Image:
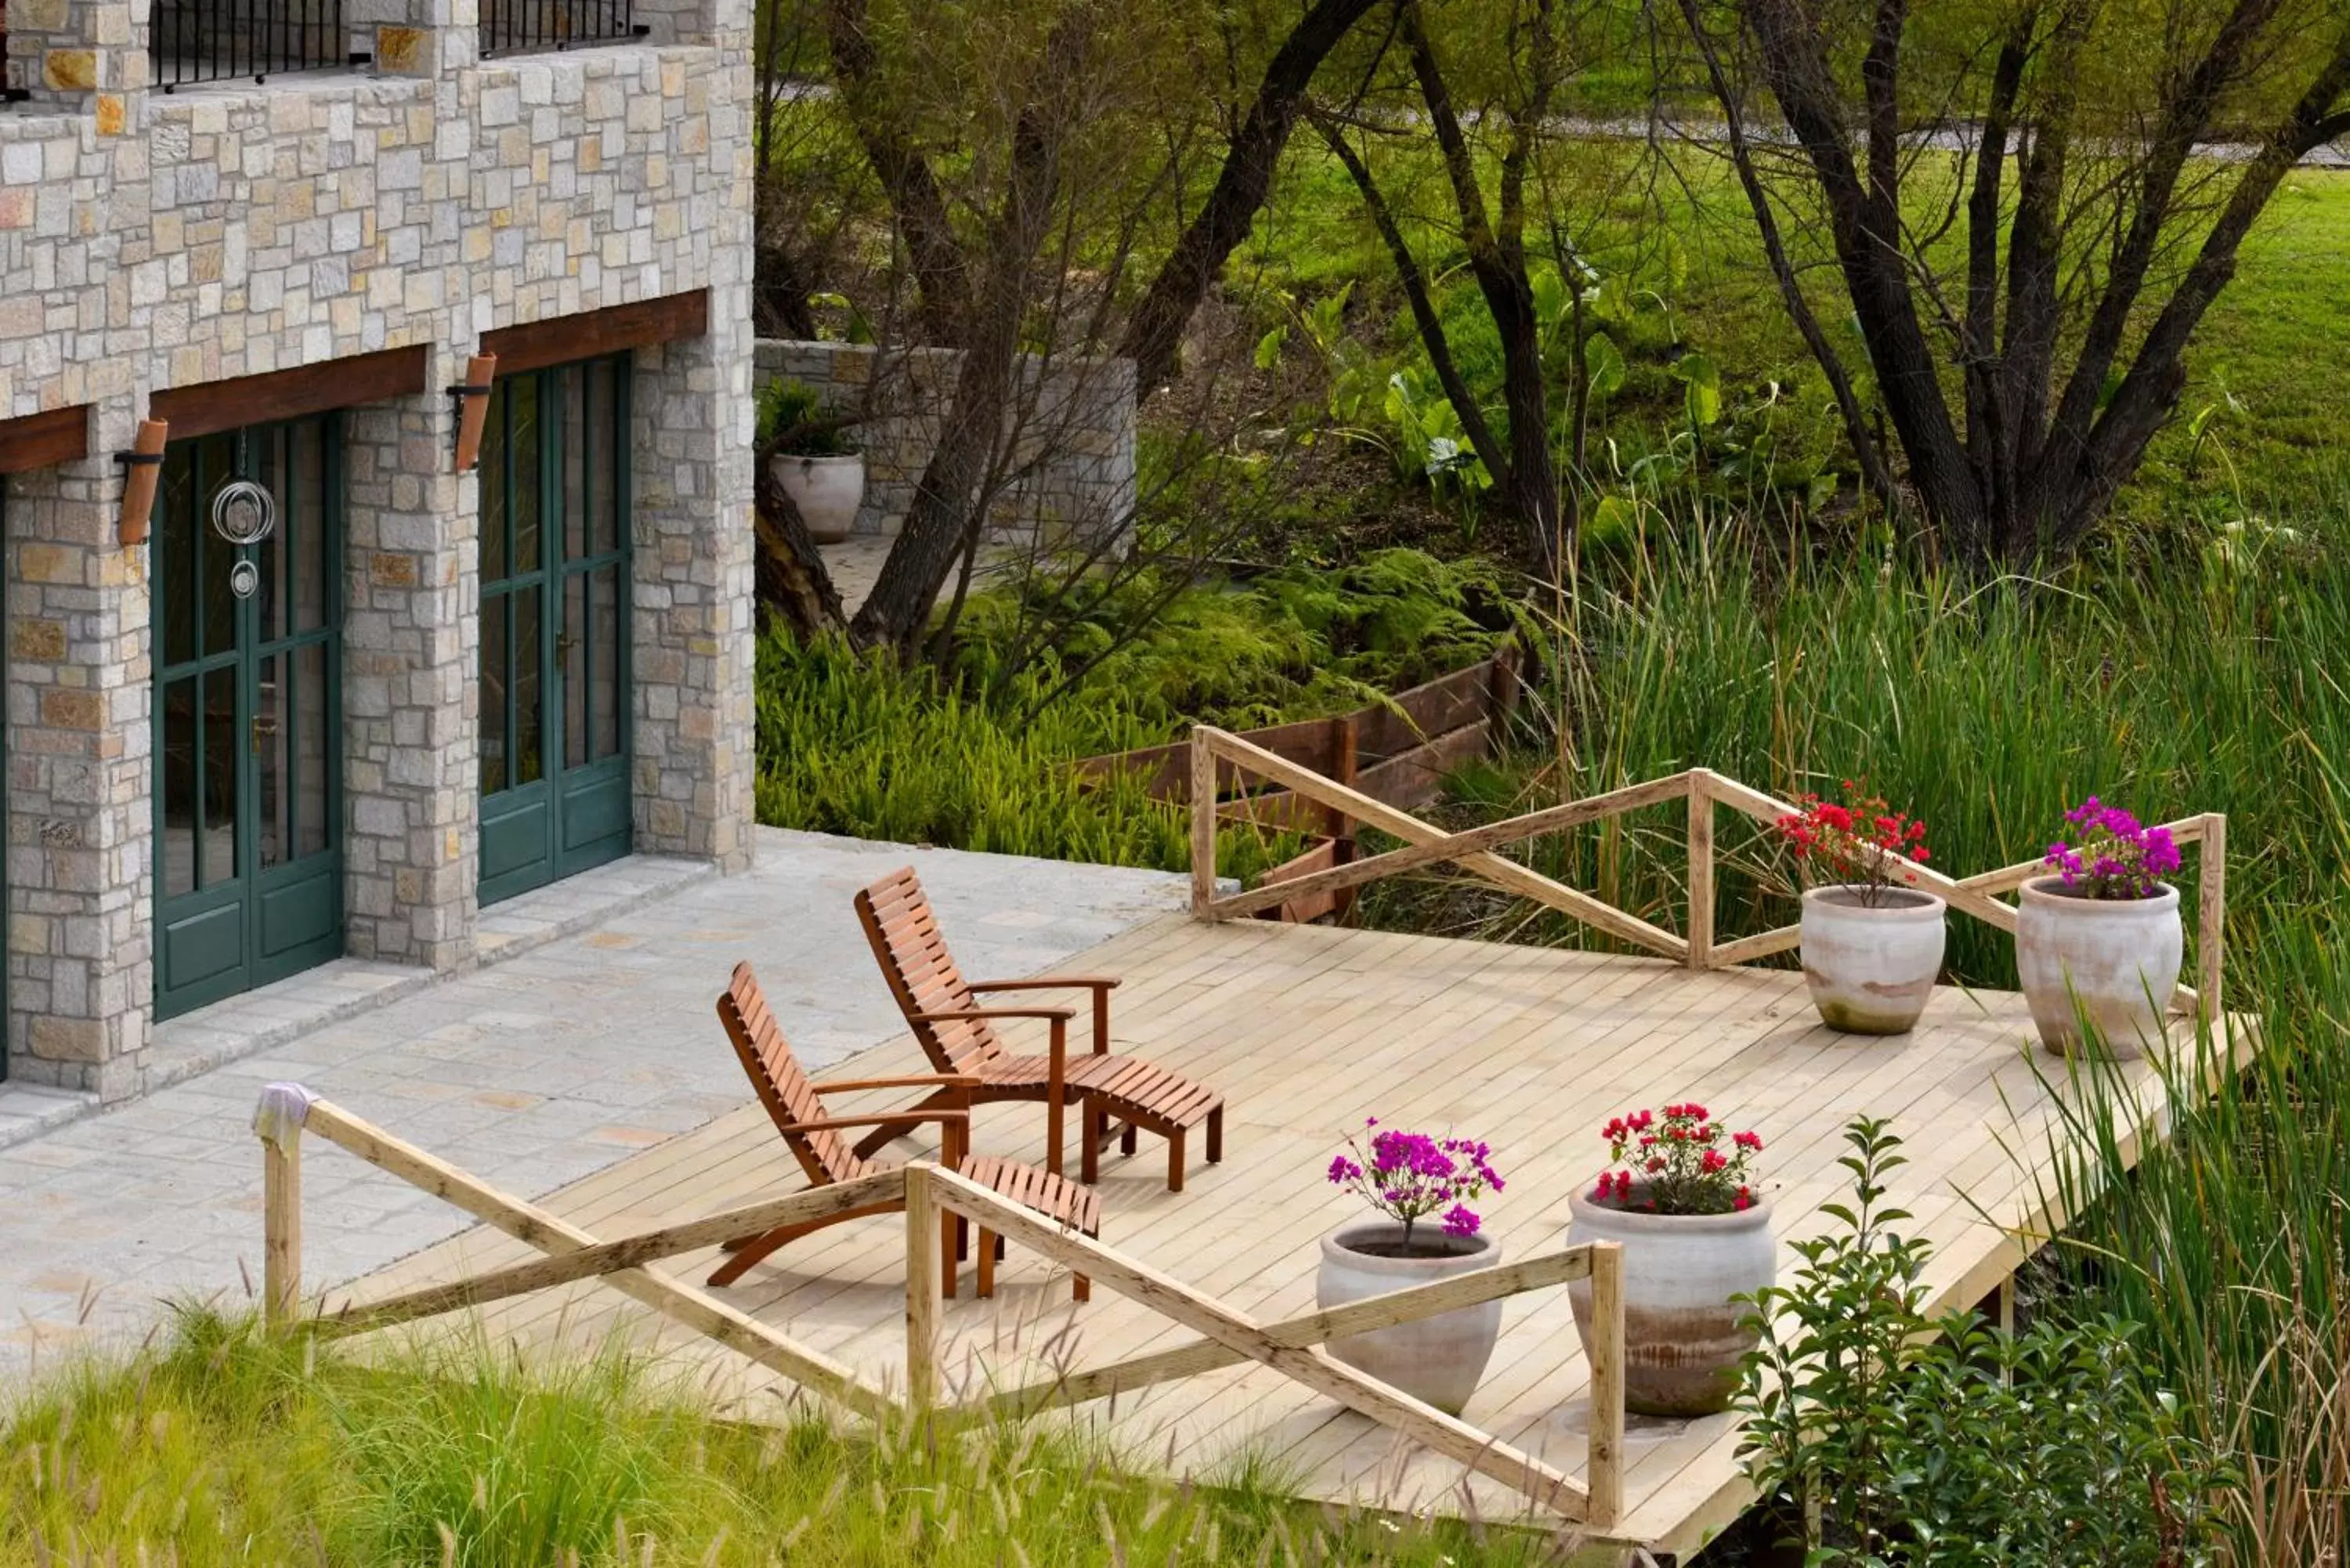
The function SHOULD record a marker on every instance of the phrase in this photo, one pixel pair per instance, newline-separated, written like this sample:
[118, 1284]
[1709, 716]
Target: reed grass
[219, 1445]
[2218, 685]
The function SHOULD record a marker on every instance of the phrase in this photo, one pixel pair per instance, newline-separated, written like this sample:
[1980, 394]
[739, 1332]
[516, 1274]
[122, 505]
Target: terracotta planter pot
[2118, 956]
[1871, 968]
[1682, 1341]
[1436, 1360]
[826, 490]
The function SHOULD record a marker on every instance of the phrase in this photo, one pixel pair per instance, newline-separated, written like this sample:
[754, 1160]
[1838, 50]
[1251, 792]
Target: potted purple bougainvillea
[2098, 939]
[1422, 1187]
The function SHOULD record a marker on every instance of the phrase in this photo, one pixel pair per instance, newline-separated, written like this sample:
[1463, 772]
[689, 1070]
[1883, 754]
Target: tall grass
[1988, 710]
[221, 1446]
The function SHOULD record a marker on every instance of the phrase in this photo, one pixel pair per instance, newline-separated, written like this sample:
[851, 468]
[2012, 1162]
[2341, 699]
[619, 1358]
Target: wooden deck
[1308, 1030]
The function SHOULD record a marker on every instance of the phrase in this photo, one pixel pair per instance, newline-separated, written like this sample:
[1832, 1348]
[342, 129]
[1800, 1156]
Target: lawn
[1682, 247]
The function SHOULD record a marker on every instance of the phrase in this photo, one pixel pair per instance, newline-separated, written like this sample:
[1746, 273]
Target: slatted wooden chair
[958, 1036]
[796, 1103]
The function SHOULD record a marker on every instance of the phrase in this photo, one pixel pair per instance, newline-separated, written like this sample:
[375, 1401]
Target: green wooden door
[247, 722]
[554, 624]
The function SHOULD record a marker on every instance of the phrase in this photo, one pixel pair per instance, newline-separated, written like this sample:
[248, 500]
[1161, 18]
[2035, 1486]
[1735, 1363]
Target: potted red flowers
[1871, 945]
[1423, 1186]
[1681, 1197]
[2100, 937]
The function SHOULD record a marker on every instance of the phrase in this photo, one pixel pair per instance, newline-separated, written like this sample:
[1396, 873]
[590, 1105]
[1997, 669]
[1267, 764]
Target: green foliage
[858, 745]
[1297, 642]
[1899, 1438]
[223, 1446]
[785, 405]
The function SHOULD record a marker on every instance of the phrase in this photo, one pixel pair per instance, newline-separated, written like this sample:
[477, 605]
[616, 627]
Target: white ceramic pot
[1682, 1341]
[1871, 968]
[1436, 1360]
[2115, 959]
[826, 490]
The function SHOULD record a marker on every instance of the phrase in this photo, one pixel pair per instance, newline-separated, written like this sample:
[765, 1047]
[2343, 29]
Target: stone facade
[152, 241]
[1072, 433]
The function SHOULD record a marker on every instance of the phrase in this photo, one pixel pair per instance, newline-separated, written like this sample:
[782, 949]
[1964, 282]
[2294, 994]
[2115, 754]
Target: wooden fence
[933, 1195]
[1222, 762]
[1397, 752]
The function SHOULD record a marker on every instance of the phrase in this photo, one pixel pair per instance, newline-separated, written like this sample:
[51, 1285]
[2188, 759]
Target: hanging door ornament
[243, 513]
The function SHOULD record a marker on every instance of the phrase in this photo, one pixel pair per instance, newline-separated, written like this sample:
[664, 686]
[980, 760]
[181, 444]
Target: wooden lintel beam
[208, 407]
[562, 340]
[45, 439]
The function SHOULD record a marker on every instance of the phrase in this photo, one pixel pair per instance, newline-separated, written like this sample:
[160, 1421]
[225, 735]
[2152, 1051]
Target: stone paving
[532, 1072]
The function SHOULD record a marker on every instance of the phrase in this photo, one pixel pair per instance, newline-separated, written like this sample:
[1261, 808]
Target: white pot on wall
[826, 490]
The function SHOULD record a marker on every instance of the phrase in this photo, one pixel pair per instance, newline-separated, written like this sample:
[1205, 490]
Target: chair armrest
[889, 1118]
[1063, 1014]
[1049, 983]
[919, 1081]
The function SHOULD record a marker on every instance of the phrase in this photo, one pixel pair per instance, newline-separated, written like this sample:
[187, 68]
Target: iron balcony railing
[530, 27]
[226, 40]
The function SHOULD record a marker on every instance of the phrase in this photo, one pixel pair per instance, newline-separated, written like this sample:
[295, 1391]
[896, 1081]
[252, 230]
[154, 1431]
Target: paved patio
[533, 1071]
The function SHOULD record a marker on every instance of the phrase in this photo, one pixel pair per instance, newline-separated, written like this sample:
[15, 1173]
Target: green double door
[248, 715]
[554, 668]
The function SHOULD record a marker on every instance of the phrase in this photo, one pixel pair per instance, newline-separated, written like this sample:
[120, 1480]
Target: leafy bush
[785, 405]
[1901, 1440]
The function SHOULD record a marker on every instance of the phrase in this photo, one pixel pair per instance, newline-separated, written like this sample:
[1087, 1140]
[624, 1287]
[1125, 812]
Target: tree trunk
[788, 571]
[947, 514]
[1155, 330]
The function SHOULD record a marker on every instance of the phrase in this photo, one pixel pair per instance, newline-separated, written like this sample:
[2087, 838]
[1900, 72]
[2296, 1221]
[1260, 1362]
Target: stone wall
[151, 240]
[1072, 432]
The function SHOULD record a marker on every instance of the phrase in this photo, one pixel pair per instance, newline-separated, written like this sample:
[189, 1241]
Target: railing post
[927, 1241]
[1605, 1466]
[2211, 915]
[1701, 868]
[1204, 824]
[1344, 835]
[277, 1121]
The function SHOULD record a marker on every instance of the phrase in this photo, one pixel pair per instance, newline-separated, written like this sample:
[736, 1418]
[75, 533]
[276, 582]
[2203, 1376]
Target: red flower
[1748, 1141]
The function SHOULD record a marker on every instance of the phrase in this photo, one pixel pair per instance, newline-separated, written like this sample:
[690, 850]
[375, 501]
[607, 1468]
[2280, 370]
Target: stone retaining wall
[1073, 429]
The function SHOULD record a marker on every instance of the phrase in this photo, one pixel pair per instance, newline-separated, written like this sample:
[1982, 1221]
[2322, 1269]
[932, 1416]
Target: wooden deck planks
[1306, 1031]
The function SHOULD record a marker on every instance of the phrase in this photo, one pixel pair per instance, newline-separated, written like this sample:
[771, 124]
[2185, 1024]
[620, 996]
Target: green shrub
[1901, 1440]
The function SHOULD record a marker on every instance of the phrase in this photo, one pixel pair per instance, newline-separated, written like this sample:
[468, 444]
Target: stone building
[283, 229]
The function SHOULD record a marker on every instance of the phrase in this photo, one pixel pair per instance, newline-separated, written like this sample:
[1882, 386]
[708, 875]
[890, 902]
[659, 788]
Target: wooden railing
[1217, 756]
[1397, 750]
[931, 1194]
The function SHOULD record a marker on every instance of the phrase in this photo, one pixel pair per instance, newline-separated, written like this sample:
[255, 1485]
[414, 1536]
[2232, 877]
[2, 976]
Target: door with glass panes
[248, 713]
[554, 624]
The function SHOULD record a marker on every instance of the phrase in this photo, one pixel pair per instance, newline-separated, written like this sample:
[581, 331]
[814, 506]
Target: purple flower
[1460, 1221]
[1343, 1171]
[2116, 856]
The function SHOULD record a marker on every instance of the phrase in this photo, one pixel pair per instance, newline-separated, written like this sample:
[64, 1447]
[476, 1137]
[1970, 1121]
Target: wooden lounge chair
[794, 1102]
[958, 1036]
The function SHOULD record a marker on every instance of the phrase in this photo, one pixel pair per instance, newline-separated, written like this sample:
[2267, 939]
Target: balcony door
[247, 713]
[555, 668]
